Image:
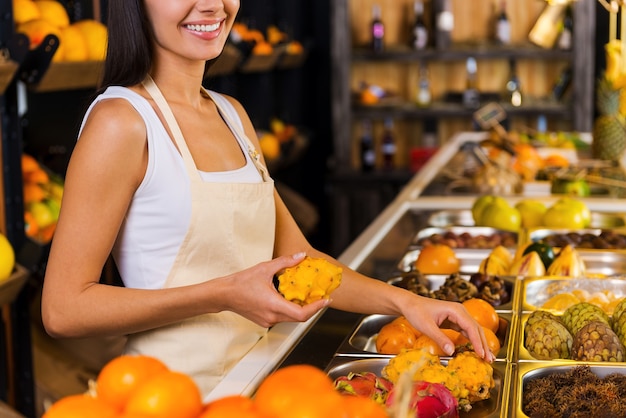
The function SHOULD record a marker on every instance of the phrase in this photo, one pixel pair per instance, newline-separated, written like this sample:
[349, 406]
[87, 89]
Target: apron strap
[254, 154]
[165, 109]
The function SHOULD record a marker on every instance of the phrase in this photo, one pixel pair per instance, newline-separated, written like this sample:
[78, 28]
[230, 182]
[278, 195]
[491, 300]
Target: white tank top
[159, 214]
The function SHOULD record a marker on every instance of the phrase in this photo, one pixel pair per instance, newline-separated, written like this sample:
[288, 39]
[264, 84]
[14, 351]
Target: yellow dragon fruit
[312, 279]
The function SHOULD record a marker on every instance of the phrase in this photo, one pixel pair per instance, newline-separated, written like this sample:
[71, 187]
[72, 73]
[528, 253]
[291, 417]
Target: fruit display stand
[377, 252]
[10, 288]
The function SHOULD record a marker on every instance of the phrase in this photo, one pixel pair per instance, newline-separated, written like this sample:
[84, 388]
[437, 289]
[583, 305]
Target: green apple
[501, 215]
[532, 212]
[567, 213]
[42, 214]
[481, 203]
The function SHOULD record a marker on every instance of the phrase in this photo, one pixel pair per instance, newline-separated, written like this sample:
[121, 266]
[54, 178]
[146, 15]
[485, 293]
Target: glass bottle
[377, 29]
[424, 97]
[514, 92]
[368, 153]
[565, 38]
[444, 23]
[471, 96]
[388, 145]
[419, 32]
[503, 26]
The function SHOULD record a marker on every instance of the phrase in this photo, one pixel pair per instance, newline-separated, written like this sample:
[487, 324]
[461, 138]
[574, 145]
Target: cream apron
[231, 229]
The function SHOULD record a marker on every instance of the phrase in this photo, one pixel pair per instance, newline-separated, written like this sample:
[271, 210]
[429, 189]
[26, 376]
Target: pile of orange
[486, 315]
[143, 387]
[437, 259]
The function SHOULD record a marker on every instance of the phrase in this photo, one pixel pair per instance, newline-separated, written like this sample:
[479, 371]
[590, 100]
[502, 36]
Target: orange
[231, 406]
[96, 35]
[25, 10]
[80, 406]
[74, 44]
[33, 193]
[437, 259]
[165, 395]
[483, 313]
[425, 342]
[120, 377]
[298, 391]
[38, 176]
[493, 342]
[30, 225]
[262, 48]
[53, 12]
[36, 30]
[362, 407]
[270, 146]
[29, 163]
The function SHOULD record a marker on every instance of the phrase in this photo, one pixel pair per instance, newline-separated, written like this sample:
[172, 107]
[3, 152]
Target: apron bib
[232, 228]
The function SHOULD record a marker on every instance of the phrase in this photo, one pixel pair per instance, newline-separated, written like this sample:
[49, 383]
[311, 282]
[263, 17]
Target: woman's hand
[252, 294]
[428, 314]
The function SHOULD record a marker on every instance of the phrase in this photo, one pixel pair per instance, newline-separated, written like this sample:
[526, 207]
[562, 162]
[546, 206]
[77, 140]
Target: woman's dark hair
[129, 49]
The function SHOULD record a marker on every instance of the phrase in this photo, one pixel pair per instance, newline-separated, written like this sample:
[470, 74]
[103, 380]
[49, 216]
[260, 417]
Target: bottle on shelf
[388, 145]
[368, 152]
[419, 32]
[424, 96]
[514, 92]
[546, 28]
[562, 83]
[567, 33]
[444, 23]
[471, 96]
[503, 26]
[377, 29]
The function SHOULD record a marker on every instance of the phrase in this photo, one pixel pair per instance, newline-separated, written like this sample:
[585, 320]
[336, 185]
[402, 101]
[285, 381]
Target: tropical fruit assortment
[84, 40]
[276, 141]
[260, 43]
[43, 192]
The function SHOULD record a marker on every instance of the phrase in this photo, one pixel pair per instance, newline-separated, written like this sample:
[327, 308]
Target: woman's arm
[107, 165]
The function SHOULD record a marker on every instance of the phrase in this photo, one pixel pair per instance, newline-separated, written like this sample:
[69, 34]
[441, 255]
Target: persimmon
[298, 391]
[120, 377]
[493, 342]
[437, 259]
[81, 406]
[427, 343]
[483, 313]
[167, 394]
[395, 336]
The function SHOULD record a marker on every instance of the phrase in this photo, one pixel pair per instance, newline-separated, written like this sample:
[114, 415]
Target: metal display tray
[469, 260]
[538, 234]
[435, 281]
[475, 232]
[463, 217]
[493, 407]
[362, 340]
[524, 372]
[534, 292]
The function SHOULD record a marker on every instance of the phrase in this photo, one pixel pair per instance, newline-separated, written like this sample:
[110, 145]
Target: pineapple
[609, 130]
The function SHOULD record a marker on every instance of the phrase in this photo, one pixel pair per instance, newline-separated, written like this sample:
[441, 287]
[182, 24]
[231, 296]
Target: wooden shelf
[462, 51]
[7, 72]
[70, 76]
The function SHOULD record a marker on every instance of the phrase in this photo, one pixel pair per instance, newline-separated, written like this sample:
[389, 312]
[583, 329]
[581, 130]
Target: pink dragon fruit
[365, 384]
[428, 400]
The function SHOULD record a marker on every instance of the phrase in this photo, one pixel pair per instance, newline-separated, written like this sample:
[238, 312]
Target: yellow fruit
[74, 44]
[25, 10]
[95, 34]
[313, 279]
[7, 258]
[270, 146]
[54, 13]
[42, 214]
[561, 302]
[36, 30]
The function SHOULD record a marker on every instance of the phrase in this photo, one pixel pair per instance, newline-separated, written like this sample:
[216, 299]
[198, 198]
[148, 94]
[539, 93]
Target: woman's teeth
[204, 28]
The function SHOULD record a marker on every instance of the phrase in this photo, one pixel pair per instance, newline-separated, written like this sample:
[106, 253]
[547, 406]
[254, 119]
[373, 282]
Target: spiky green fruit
[577, 316]
[547, 339]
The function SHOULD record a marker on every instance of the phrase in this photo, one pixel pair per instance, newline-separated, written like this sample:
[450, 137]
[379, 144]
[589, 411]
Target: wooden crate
[10, 288]
[70, 76]
[7, 71]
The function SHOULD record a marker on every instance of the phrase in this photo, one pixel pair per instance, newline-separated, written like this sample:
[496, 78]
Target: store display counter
[376, 253]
